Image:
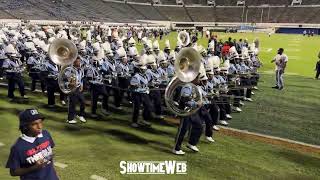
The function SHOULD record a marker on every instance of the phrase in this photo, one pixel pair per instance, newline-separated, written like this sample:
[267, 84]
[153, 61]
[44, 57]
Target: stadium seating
[168, 1]
[140, 1]
[226, 14]
[203, 14]
[149, 11]
[190, 2]
[234, 2]
[311, 2]
[100, 10]
[174, 13]
[269, 2]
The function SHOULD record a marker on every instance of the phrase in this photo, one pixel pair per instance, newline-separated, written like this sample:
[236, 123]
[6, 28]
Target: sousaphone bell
[182, 97]
[64, 52]
[184, 38]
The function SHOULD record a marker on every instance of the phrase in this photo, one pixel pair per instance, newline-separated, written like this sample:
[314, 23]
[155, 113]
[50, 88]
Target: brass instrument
[75, 34]
[184, 38]
[187, 66]
[64, 52]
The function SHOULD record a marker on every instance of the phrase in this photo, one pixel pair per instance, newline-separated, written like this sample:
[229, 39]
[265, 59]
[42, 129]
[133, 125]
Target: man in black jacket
[318, 68]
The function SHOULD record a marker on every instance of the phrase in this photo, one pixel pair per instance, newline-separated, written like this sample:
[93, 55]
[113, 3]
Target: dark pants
[118, 93]
[237, 93]
[247, 83]
[255, 79]
[224, 106]
[13, 79]
[35, 77]
[96, 91]
[192, 123]
[52, 87]
[75, 97]
[214, 112]
[138, 99]
[155, 96]
[317, 74]
[205, 115]
[1, 69]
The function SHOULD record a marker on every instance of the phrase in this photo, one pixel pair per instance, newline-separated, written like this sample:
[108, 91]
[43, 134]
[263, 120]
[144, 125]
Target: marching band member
[214, 109]
[154, 82]
[167, 48]
[105, 69]
[256, 64]
[156, 48]
[191, 123]
[233, 76]
[140, 95]
[211, 49]
[163, 69]
[13, 69]
[147, 47]
[224, 105]
[178, 47]
[212, 87]
[171, 59]
[123, 74]
[34, 67]
[52, 82]
[204, 110]
[133, 56]
[244, 80]
[77, 96]
[131, 42]
[2, 57]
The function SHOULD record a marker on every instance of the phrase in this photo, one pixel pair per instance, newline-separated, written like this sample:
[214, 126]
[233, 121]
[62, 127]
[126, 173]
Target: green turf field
[98, 146]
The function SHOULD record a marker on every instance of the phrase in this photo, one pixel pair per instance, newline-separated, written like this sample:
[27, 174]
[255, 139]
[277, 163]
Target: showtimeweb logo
[153, 167]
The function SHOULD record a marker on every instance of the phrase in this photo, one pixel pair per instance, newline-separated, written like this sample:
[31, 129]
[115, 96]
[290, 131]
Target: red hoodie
[225, 49]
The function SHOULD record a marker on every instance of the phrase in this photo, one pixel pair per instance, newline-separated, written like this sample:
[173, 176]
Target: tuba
[64, 52]
[75, 33]
[182, 97]
[184, 38]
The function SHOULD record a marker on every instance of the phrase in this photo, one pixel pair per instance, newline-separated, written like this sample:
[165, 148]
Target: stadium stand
[268, 2]
[110, 11]
[229, 14]
[174, 13]
[149, 11]
[168, 2]
[198, 2]
[140, 1]
[310, 2]
[203, 14]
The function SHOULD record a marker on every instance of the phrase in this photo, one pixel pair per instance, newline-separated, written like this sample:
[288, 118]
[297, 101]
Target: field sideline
[98, 146]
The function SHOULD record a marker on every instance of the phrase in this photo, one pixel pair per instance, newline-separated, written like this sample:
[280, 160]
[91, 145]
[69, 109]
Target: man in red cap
[31, 155]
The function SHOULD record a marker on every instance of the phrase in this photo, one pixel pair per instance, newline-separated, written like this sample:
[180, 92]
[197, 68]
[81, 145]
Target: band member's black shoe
[275, 87]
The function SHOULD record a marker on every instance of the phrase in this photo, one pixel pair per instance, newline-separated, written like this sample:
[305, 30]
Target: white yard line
[1, 144]
[266, 49]
[60, 165]
[291, 73]
[294, 44]
[294, 57]
[275, 140]
[268, 72]
[96, 177]
[293, 50]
